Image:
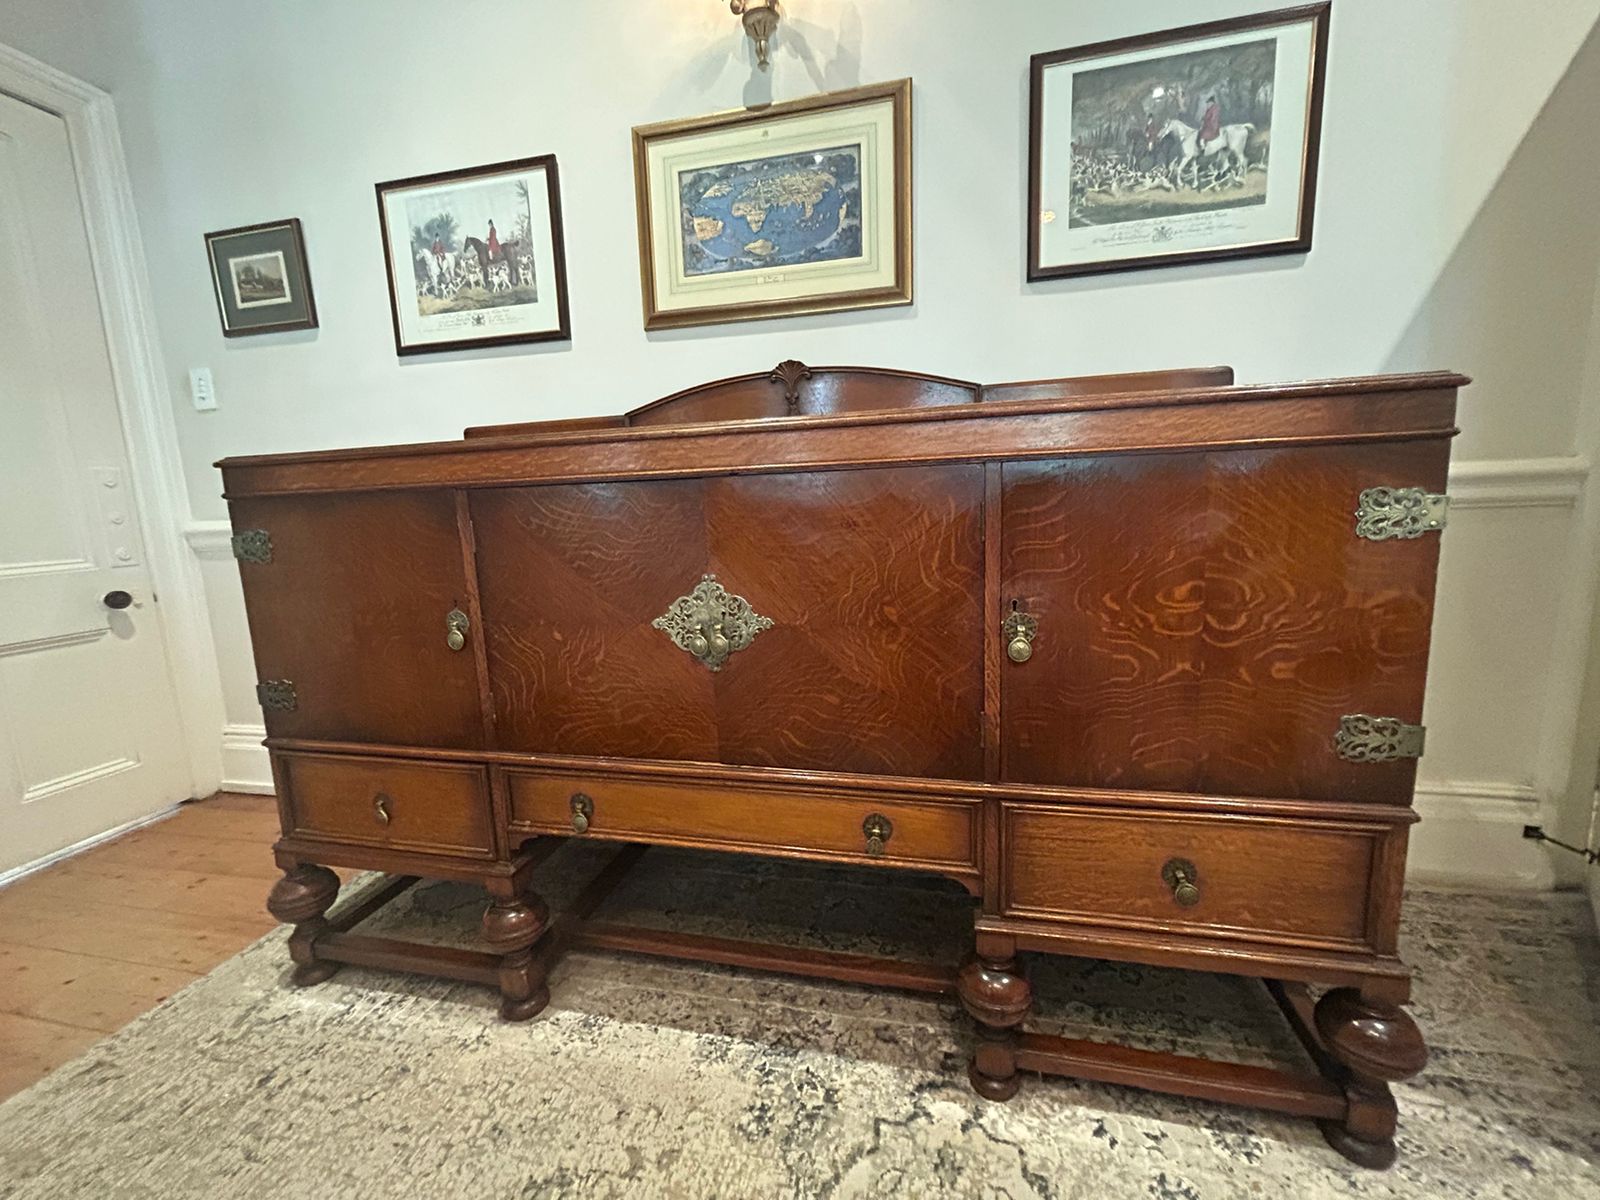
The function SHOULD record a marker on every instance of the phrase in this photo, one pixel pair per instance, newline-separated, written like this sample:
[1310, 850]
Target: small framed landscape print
[260, 276]
[799, 207]
[1195, 144]
[475, 258]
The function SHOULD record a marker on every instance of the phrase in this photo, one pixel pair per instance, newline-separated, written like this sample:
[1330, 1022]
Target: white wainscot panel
[244, 760]
[1504, 575]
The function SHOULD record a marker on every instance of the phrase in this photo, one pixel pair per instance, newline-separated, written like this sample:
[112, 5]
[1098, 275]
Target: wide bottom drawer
[431, 808]
[1275, 879]
[865, 828]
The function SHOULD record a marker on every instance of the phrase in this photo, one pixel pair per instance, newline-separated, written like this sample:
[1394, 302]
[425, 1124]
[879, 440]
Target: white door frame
[140, 379]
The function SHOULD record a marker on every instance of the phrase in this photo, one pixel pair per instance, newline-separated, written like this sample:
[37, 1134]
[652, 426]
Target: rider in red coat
[1211, 123]
[494, 242]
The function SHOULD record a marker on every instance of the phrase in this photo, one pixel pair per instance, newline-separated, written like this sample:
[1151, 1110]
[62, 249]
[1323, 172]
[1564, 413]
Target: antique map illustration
[771, 212]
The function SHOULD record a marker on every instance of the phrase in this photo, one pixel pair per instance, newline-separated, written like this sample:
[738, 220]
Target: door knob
[116, 599]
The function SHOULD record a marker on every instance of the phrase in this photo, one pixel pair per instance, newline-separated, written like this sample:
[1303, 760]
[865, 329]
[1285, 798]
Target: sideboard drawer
[1274, 879]
[432, 808]
[737, 816]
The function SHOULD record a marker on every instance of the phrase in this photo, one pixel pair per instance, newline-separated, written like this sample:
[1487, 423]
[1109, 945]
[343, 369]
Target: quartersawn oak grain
[1205, 615]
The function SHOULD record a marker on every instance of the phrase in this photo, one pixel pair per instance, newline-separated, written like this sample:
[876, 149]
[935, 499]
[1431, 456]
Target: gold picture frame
[780, 211]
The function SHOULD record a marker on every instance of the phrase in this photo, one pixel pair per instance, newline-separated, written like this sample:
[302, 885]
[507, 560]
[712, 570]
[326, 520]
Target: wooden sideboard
[1137, 660]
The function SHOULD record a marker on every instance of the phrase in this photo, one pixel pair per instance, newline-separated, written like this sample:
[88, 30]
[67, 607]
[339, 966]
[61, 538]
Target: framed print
[475, 257]
[260, 276]
[1178, 147]
[799, 207]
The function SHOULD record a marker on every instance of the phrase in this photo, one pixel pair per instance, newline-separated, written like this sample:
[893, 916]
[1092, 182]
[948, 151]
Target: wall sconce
[760, 20]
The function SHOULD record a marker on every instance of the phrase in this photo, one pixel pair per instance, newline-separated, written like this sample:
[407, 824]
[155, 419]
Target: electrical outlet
[201, 389]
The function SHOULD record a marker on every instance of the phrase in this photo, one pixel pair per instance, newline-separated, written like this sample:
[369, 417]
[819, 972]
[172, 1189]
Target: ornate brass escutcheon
[1362, 737]
[711, 623]
[879, 829]
[456, 626]
[582, 812]
[1180, 875]
[1019, 630]
[380, 807]
[1399, 512]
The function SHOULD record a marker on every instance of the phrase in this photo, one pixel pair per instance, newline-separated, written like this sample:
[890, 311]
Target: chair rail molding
[141, 385]
[1518, 482]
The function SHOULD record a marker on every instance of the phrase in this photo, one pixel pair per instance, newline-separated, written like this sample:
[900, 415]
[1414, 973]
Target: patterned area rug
[655, 1079]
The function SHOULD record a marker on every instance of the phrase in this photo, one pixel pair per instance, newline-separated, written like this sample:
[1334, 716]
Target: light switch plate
[201, 389]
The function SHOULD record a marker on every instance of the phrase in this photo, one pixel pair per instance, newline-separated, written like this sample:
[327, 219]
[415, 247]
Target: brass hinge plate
[252, 546]
[1364, 738]
[277, 695]
[1388, 512]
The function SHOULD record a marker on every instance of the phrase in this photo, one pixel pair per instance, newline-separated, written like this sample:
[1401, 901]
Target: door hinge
[1364, 738]
[1387, 512]
[277, 695]
[253, 546]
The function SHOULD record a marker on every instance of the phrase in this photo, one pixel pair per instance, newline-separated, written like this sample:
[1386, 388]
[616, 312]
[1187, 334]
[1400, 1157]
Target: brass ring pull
[380, 807]
[1019, 630]
[456, 625]
[1180, 875]
[879, 829]
[582, 812]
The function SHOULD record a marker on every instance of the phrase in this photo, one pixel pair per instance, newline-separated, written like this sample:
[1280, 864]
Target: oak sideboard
[1137, 660]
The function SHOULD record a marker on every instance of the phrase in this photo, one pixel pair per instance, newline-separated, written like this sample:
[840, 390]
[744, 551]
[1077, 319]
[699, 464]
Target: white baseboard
[245, 767]
[39, 864]
[1470, 836]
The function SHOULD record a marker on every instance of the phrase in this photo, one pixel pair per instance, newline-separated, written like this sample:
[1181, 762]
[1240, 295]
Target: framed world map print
[1192, 144]
[794, 208]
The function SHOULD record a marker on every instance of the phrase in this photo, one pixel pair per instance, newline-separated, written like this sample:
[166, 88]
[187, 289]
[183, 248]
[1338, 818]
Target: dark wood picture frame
[545, 163]
[294, 245]
[897, 292]
[1300, 243]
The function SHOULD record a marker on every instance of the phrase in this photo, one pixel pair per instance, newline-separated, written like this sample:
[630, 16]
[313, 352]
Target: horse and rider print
[472, 247]
[1173, 135]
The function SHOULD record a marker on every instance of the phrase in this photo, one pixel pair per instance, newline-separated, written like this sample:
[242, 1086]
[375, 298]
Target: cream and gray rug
[654, 1079]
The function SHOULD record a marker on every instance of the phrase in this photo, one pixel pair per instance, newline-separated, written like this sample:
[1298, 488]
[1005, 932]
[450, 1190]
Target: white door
[89, 730]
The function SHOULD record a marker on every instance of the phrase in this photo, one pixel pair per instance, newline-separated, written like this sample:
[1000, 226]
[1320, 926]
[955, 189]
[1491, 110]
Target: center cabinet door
[872, 581]
[1205, 620]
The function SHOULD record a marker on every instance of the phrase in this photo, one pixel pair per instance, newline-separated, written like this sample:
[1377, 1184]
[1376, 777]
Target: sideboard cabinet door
[1206, 619]
[869, 583]
[351, 611]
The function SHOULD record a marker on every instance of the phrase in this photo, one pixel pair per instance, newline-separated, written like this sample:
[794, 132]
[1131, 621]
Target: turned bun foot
[1375, 1156]
[511, 925]
[998, 997]
[991, 1088]
[1377, 1043]
[302, 899]
[304, 894]
[1375, 1040]
[522, 1010]
[312, 973]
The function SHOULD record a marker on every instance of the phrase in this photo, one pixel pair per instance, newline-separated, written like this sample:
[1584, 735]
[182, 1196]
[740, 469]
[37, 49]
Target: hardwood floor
[88, 944]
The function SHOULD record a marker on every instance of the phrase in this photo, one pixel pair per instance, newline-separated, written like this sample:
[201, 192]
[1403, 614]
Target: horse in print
[1230, 144]
[510, 253]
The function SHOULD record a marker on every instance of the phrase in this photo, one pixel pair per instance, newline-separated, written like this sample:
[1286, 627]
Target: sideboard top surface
[1047, 418]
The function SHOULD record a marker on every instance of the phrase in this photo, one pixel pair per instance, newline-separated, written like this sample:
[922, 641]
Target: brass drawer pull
[1019, 630]
[380, 807]
[456, 625]
[1180, 875]
[879, 829]
[582, 812]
